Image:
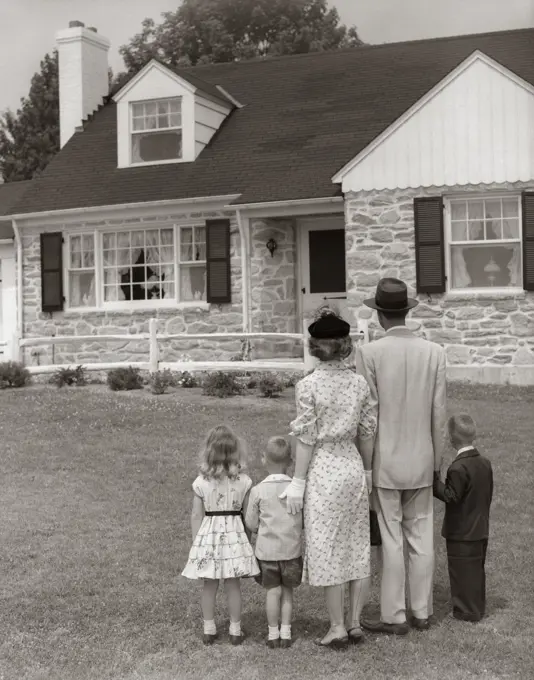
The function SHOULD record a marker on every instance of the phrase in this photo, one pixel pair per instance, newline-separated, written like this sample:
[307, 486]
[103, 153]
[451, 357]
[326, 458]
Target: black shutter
[429, 245]
[218, 261]
[52, 272]
[528, 240]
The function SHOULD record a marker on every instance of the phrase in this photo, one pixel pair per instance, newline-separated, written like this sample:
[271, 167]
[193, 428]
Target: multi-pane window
[138, 265]
[485, 243]
[192, 263]
[156, 130]
[81, 271]
[150, 266]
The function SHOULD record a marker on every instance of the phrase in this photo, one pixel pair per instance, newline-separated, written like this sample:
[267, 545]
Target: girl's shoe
[285, 643]
[236, 640]
[209, 639]
[273, 644]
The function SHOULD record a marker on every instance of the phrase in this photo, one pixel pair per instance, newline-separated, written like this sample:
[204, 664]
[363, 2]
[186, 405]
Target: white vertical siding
[476, 129]
[209, 116]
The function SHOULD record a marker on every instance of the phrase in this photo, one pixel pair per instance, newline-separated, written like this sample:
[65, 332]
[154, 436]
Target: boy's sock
[285, 631]
[209, 628]
[235, 628]
[274, 633]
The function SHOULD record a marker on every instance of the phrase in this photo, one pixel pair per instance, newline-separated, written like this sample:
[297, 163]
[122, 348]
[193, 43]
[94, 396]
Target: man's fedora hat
[329, 326]
[391, 296]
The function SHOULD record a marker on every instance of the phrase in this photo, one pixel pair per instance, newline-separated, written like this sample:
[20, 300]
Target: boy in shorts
[278, 543]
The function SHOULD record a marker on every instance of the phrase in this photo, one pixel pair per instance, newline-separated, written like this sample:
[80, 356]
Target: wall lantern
[271, 246]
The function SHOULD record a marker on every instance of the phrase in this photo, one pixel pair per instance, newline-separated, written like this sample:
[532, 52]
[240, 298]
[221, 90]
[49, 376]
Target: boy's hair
[222, 455]
[278, 451]
[462, 427]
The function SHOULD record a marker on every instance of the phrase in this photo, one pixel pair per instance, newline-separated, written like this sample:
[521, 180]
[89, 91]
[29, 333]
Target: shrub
[13, 374]
[127, 378]
[270, 386]
[221, 385]
[187, 380]
[161, 381]
[69, 376]
[291, 379]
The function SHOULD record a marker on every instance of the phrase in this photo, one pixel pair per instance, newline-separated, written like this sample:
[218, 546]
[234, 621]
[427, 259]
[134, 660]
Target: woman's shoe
[355, 635]
[338, 644]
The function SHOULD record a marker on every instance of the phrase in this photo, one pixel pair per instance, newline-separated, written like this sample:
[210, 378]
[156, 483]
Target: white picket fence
[154, 339]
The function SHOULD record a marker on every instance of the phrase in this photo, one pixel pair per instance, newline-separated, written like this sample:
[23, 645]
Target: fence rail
[154, 363]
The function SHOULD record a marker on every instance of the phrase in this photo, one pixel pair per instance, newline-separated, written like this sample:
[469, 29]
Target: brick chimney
[83, 75]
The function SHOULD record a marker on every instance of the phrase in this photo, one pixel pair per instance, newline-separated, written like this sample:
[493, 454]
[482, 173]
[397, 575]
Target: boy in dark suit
[467, 492]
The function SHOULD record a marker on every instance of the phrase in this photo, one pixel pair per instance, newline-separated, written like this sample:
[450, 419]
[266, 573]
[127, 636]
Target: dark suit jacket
[467, 492]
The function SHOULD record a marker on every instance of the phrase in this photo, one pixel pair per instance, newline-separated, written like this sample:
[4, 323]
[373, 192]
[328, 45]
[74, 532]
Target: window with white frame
[146, 267]
[81, 271]
[485, 243]
[156, 130]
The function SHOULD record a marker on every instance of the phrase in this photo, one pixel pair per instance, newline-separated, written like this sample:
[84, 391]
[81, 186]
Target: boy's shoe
[285, 643]
[208, 638]
[273, 644]
[420, 624]
[237, 639]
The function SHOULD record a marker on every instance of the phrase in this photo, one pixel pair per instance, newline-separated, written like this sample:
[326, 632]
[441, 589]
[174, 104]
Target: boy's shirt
[467, 493]
[279, 533]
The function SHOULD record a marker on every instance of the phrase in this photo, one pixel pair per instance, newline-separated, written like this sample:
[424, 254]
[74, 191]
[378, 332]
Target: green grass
[95, 500]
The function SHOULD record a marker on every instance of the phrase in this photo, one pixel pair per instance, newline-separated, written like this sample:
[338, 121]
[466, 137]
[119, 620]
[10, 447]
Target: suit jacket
[407, 378]
[467, 491]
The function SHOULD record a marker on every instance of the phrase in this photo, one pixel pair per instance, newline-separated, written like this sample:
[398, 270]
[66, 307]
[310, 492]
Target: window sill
[486, 294]
[144, 309]
[149, 163]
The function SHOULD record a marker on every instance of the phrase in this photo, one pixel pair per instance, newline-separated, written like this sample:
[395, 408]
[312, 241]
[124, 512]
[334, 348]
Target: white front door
[323, 278]
[8, 302]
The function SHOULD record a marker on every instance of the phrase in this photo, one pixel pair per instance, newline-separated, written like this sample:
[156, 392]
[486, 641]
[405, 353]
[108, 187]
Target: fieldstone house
[239, 197]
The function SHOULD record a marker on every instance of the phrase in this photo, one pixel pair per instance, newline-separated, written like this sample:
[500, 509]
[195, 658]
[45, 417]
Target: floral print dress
[334, 407]
[221, 548]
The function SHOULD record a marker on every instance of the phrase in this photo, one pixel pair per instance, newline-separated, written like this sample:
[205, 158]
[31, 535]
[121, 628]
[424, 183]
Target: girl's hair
[223, 454]
[330, 349]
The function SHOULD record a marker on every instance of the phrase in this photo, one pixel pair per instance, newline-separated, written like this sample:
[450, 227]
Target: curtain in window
[160, 257]
[460, 276]
[118, 260]
[82, 289]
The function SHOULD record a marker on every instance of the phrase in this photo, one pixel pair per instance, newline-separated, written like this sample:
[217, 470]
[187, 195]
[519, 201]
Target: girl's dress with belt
[334, 407]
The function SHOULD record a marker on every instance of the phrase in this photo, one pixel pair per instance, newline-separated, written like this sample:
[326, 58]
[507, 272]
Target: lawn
[95, 500]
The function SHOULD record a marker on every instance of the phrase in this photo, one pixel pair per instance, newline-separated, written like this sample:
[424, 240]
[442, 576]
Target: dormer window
[156, 130]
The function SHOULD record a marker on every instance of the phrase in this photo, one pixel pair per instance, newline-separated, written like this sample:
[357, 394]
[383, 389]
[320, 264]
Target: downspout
[20, 316]
[245, 268]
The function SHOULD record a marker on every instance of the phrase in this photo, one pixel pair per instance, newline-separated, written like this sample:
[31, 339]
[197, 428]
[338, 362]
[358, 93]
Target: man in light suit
[406, 375]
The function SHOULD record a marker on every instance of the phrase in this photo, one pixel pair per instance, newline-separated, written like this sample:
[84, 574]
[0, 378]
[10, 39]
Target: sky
[28, 27]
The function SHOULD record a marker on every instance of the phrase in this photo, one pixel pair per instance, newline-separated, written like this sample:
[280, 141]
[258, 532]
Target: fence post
[153, 345]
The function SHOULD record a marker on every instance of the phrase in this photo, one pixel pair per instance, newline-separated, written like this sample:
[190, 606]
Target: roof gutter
[284, 204]
[20, 317]
[225, 199]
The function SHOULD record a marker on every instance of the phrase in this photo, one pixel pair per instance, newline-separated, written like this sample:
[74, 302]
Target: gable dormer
[163, 117]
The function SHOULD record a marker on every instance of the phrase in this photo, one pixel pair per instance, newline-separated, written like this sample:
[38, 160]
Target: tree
[204, 31]
[30, 137]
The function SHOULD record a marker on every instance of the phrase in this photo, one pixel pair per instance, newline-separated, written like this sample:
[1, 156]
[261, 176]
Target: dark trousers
[467, 560]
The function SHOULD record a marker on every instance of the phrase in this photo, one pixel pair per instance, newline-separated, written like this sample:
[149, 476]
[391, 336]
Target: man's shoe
[386, 628]
[420, 624]
[285, 643]
[273, 644]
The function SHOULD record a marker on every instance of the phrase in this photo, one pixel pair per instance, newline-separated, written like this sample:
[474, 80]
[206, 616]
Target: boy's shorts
[286, 573]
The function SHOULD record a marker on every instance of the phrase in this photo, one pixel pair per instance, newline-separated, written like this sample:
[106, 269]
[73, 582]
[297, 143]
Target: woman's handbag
[376, 538]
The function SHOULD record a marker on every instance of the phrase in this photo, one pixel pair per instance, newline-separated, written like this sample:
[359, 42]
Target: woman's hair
[223, 454]
[329, 349]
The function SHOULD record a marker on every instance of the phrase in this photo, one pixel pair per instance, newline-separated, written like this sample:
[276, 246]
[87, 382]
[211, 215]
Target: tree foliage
[211, 31]
[30, 137]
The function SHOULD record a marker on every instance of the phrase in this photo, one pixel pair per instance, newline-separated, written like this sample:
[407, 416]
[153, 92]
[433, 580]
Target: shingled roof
[10, 194]
[303, 118]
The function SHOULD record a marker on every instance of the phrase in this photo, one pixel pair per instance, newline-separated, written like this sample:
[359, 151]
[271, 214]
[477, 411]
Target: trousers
[467, 575]
[406, 515]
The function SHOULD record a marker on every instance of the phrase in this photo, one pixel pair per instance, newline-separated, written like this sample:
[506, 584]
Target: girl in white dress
[221, 549]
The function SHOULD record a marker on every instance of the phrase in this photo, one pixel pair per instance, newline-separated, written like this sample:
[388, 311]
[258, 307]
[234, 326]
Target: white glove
[369, 480]
[294, 494]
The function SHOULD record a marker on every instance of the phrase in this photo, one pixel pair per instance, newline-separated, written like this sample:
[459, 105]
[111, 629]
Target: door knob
[303, 291]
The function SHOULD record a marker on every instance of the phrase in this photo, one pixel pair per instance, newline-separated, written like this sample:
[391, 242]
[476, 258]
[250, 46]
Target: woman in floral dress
[334, 428]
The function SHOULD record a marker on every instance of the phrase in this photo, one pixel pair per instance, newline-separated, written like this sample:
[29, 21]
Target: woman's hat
[391, 296]
[329, 326]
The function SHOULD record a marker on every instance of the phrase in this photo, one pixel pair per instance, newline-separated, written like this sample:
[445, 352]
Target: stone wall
[223, 318]
[478, 330]
[274, 285]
